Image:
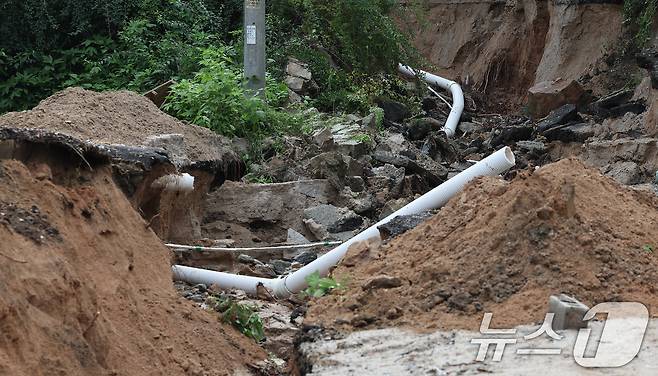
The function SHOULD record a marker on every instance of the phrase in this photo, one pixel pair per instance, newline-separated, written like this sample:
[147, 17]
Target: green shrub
[214, 98]
[639, 16]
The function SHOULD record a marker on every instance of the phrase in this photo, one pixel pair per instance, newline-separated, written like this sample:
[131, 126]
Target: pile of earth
[504, 248]
[120, 117]
[85, 285]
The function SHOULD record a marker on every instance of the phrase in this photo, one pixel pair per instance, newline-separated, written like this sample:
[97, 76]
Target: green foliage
[214, 98]
[346, 43]
[318, 286]
[37, 25]
[358, 34]
[639, 15]
[364, 138]
[161, 40]
[648, 248]
[31, 76]
[243, 317]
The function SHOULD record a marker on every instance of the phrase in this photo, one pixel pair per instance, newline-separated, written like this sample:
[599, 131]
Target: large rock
[299, 78]
[418, 129]
[509, 134]
[393, 111]
[244, 211]
[335, 167]
[546, 96]
[628, 160]
[430, 170]
[350, 138]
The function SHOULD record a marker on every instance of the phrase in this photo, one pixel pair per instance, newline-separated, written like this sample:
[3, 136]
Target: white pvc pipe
[450, 126]
[493, 165]
[175, 183]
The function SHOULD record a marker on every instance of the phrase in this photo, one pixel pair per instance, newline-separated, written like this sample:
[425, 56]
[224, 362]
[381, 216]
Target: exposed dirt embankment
[156, 144]
[508, 46]
[119, 117]
[85, 285]
[505, 248]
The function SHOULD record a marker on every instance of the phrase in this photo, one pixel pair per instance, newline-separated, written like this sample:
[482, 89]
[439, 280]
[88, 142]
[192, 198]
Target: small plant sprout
[242, 316]
[648, 248]
[318, 286]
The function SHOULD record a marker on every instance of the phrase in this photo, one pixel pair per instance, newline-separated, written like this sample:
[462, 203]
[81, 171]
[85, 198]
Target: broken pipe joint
[452, 122]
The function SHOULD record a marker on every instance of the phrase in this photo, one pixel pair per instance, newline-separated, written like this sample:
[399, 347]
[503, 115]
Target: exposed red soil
[85, 285]
[505, 248]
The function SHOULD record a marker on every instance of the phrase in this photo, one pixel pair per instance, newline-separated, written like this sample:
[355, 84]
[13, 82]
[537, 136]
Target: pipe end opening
[509, 155]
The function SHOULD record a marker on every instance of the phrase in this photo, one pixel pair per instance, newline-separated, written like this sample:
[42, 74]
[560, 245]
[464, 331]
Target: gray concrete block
[569, 312]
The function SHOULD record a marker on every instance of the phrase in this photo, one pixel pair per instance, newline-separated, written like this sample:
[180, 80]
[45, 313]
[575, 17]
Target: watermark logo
[620, 341]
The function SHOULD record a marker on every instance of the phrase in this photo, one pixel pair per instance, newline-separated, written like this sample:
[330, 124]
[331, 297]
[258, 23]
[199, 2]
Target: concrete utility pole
[254, 46]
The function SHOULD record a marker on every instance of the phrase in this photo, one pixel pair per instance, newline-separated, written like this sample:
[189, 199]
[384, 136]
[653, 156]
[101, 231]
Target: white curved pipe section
[493, 165]
[175, 183]
[450, 126]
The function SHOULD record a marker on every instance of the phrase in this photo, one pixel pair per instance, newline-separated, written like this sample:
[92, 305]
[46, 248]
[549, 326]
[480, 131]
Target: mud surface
[85, 287]
[504, 248]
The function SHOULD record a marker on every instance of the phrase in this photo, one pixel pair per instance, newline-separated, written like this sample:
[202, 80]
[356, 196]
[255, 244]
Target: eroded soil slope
[504, 248]
[85, 286]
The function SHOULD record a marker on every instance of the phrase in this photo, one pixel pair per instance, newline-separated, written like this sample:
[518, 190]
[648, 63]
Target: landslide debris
[505, 248]
[85, 285]
[120, 117]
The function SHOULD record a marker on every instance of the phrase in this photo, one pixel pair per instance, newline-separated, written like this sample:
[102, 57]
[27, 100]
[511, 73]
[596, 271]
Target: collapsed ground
[500, 246]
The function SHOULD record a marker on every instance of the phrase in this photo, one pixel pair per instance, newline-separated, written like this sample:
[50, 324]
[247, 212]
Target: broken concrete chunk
[569, 312]
[334, 219]
[280, 266]
[319, 231]
[532, 147]
[306, 257]
[562, 115]
[173, 144]
[467, 127]
[392, 206]
[505, 135]
[570, 132]
[356, 183]
[401, 224]
[382, 282]
[429, 169]
[246, 259]
[295, 237]
[323, 138]
[625, 172]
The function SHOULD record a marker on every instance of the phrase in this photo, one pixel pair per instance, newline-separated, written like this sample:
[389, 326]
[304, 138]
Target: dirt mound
[504, 248]
[85, 286]
[119, 117]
